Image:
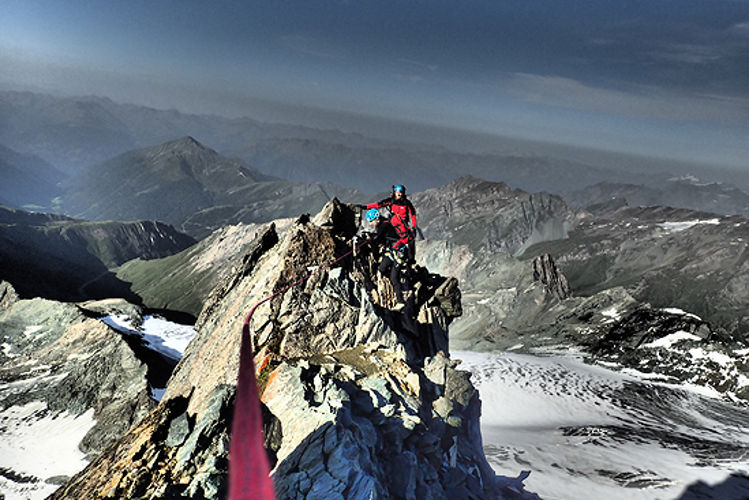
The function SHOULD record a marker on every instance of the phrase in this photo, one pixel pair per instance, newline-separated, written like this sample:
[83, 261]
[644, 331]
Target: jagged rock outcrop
[8, 295]
[546, 271]
[59, 365]
[360, 401]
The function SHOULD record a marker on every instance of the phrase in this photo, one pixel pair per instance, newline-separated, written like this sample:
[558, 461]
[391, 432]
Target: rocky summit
[358, 400]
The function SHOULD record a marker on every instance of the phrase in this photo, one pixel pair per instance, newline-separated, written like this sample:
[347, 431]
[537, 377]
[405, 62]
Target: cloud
[313, 46]
[690, 53]
[642, 102]
[740, 29]
[420, 65]
[409, 78]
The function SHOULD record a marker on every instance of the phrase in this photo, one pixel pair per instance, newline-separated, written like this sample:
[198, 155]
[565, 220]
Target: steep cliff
[359, 401]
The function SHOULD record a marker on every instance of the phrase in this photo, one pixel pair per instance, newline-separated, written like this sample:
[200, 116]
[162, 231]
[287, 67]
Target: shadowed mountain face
[27, 180]
[190, 186]
[54, 256]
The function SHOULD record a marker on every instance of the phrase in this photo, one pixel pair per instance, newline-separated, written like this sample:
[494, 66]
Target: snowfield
[588, 432]
[36, 446]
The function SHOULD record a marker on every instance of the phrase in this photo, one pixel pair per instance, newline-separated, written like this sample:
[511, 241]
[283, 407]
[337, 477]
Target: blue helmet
[399, 187]
[373, 214]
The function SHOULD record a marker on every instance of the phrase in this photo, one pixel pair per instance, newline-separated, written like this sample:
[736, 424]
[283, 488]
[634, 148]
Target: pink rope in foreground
[249, 471]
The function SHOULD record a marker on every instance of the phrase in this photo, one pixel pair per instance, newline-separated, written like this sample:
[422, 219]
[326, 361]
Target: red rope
[249, 471]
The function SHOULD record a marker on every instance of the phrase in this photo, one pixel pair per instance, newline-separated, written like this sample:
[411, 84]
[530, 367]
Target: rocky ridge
[183, 281]
[355, 404]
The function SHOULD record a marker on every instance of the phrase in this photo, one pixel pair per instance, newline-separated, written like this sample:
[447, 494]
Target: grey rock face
[665, 257]
[360, 401]
[490, 216]
[545, 271]
[8, 295]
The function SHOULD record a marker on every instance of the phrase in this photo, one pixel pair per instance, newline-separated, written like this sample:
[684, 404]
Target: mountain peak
[187, 142]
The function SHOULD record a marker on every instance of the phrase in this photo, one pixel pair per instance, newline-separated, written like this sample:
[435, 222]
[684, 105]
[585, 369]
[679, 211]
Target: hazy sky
[669, 78]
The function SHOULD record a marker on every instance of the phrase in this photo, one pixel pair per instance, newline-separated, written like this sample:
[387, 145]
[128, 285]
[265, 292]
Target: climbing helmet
[373, 214]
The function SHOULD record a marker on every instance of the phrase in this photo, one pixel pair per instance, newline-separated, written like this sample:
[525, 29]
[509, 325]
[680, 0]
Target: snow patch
[675, 227]
[31, 330]
[611, 313]
[640, 375]
[6, 350]
[680, 312]
[38, 445]
[717, 357]
[165, 337]
[669, 340]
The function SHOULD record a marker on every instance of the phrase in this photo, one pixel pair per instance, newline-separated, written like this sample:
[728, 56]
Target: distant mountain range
[27, 180]
[663, 256]
[76, 133]
[685, 192]
[191, 186]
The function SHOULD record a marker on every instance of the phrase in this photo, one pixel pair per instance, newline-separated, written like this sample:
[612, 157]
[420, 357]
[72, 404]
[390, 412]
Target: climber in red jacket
[402, 216]
[394, 247]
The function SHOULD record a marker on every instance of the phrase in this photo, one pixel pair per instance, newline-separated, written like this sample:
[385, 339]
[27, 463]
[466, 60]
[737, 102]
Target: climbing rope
[249, 471]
